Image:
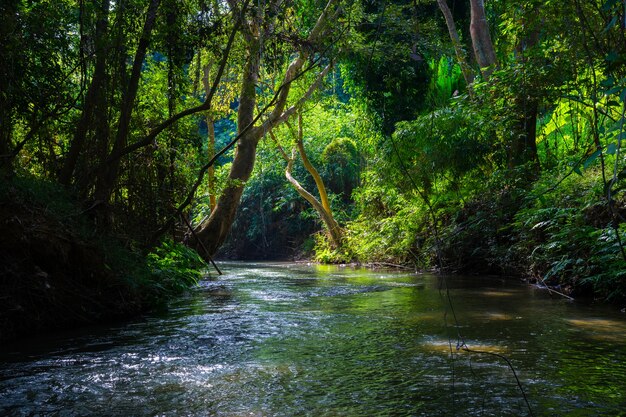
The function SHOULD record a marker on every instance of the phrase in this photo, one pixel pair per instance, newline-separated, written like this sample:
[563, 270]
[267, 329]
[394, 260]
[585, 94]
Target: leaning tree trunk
[210, 124]
[327, 213]
[481, 39]
[214, 230]
[323, 208]
[334, 231]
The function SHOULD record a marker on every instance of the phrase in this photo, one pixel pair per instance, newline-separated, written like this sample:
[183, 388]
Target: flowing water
[298, 340]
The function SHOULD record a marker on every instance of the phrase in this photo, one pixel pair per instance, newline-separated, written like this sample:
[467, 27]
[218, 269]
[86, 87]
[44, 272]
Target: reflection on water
[601, 329]
[452, 347]
[292, 340]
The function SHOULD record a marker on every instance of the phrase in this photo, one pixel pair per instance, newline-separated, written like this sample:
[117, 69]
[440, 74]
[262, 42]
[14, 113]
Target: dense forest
[139, 139]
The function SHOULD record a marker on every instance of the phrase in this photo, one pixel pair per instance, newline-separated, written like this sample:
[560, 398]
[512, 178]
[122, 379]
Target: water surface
[298, 340]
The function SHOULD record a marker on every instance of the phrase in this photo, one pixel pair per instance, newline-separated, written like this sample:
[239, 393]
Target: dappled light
[429, 197]
[491, 293]
[291, 339]
[450, 348]
[601, 329]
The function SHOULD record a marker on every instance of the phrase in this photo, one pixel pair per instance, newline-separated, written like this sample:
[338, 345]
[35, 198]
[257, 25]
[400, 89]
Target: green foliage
[31, 191]
[175, 267]
[387, 58]
[520, 172]
[273, 220]
[445, 81]
[395, 239]
[570, 240]
[444, 143]
[342, 165]
[106, 261]
[325, 253]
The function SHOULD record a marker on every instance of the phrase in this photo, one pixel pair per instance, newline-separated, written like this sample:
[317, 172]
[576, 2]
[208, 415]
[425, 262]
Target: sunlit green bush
[175, 267]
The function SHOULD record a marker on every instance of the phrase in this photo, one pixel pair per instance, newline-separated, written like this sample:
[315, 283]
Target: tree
[322, 206]
[456, 42]
[481, 39]
[255, 27]
[522, 146]
[387, 58]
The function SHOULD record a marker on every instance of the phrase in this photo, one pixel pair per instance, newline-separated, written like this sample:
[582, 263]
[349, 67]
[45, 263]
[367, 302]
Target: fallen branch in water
[387, 264]
[551, 290]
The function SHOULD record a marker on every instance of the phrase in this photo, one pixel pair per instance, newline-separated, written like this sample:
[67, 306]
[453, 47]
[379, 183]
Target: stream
[283, 339]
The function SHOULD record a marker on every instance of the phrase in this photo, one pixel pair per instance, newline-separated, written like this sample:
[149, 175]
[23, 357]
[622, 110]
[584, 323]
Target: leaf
[612, 90]
[591, 158]
[541, 225]
[611, 149]
[571, 97]
[609, 82]
[608, 4]
[609, 27]
[576, 169]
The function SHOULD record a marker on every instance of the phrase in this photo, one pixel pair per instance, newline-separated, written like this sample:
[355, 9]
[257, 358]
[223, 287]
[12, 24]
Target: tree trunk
[325, 213]
[456, 42]
[524, 148]
[107, 178]
[210, 124]
[310, 168]
[481, 39]
[526, 104]
[96, 94]
[214, 231]
[325, 210]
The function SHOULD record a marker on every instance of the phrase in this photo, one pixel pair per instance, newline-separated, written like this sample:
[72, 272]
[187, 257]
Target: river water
[306, 340]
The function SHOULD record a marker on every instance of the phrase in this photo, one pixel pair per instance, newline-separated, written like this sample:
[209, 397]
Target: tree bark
[481, 39]
[210, 124]
[524, 148]
[327, 213]
[215, 229]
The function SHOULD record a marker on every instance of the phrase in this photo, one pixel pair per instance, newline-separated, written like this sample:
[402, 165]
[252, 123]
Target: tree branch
[148, 139]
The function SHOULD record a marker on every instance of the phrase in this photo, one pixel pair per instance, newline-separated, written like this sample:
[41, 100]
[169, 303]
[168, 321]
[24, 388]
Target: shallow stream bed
[305, 340]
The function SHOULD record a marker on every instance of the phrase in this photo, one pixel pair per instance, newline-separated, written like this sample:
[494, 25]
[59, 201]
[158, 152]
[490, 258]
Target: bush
[175, 267]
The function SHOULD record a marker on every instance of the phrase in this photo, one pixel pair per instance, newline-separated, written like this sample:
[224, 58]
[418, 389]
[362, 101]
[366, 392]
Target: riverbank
[50, 277]
[562, 236]
[57, 272]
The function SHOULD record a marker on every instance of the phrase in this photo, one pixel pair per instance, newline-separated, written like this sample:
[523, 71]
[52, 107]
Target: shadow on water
[293, 339]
